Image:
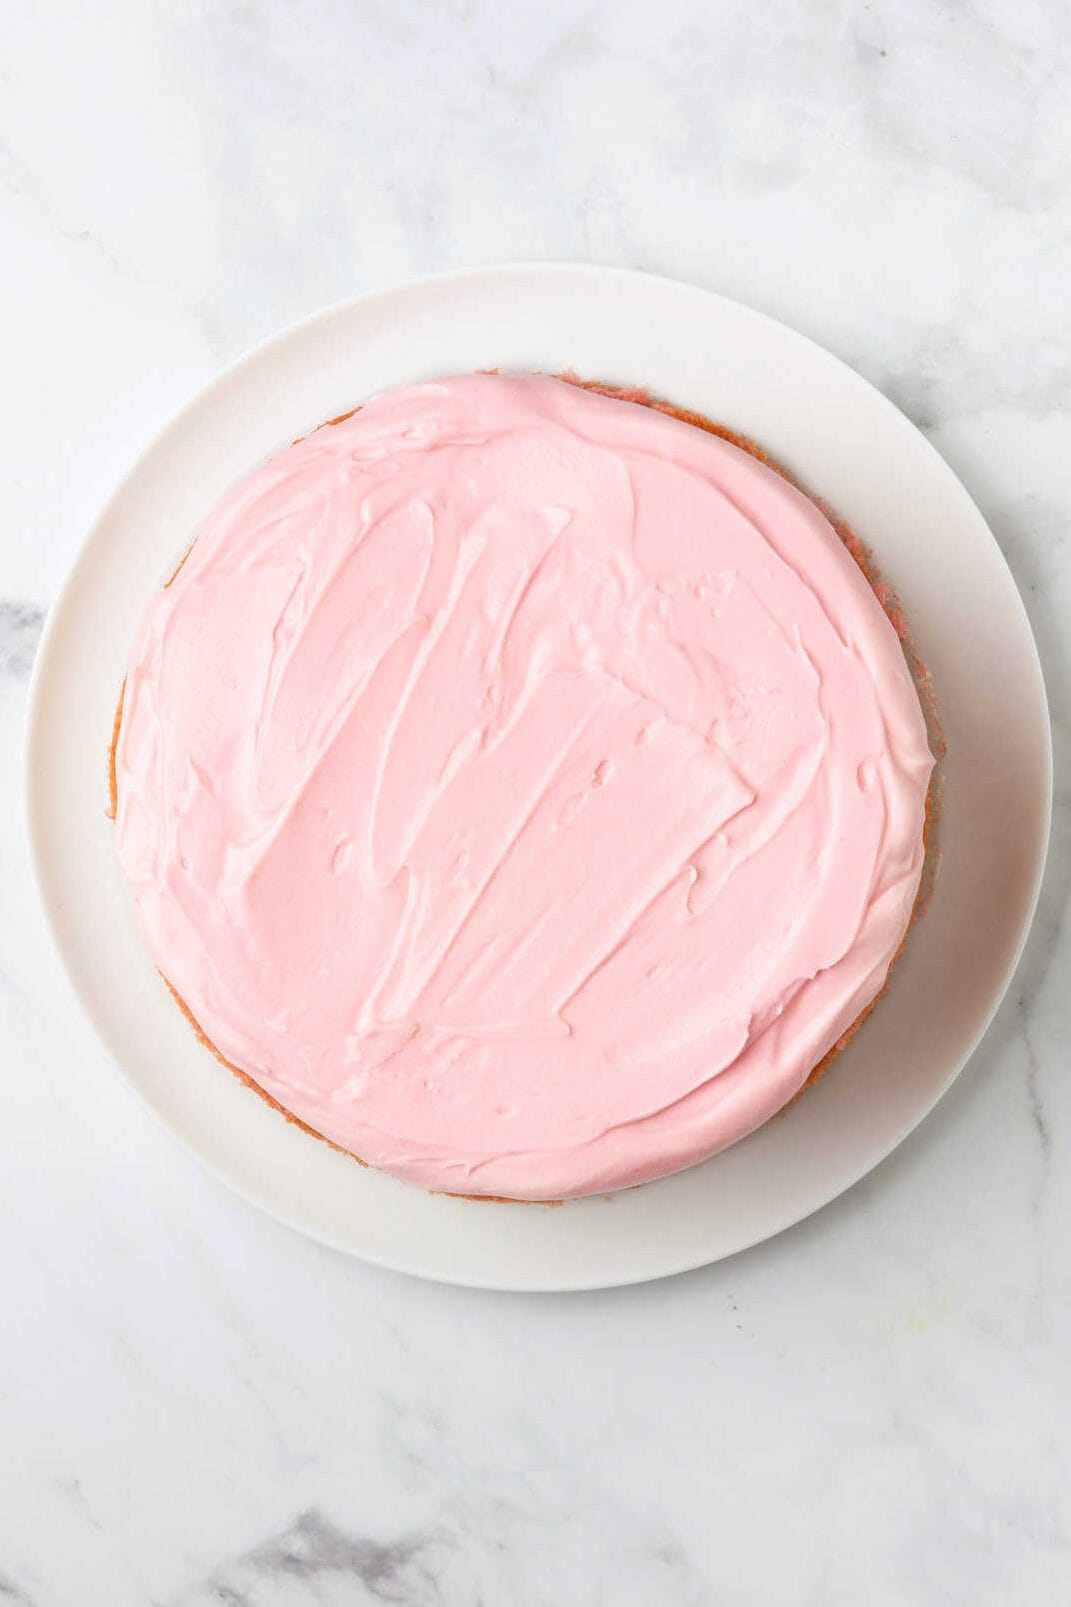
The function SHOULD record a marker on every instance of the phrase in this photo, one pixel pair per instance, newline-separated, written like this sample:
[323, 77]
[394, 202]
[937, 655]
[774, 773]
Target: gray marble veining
[20, 631]
[312, 1559]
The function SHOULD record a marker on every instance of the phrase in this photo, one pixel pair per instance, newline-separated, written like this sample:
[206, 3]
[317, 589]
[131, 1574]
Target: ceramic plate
[841, 440]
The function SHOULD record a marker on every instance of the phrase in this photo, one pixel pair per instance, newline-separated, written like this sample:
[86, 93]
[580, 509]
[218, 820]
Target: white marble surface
[196, 1406]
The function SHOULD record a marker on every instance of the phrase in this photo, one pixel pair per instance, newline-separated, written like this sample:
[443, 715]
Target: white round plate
[840, 439]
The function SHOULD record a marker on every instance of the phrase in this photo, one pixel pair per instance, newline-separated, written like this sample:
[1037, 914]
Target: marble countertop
[200, 1407]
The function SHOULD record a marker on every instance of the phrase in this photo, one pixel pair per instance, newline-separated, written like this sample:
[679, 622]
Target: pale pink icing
[525, 788]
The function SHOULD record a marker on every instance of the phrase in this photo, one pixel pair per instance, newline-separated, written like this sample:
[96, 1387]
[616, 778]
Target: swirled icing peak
[523, 787]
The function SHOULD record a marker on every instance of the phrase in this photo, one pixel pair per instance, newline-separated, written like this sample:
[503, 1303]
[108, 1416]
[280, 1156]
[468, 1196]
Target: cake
[521, 787]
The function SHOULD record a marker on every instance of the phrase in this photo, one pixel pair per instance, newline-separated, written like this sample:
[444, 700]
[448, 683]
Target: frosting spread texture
[523, 787]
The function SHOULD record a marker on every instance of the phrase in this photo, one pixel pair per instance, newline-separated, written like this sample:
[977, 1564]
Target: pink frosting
[526, 789]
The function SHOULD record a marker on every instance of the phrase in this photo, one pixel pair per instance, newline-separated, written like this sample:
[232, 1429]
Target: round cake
[523, 788]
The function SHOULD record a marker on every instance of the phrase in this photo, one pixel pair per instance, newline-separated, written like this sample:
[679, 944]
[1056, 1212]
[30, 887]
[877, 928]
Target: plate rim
[33, 738]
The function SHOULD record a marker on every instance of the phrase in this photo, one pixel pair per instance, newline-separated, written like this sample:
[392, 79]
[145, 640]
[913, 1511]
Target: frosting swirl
[523, 787]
